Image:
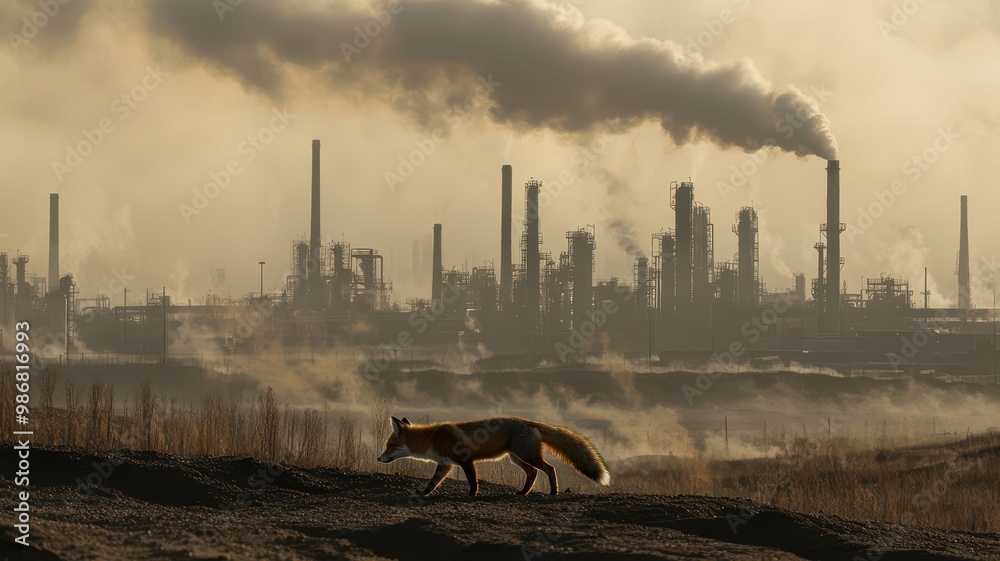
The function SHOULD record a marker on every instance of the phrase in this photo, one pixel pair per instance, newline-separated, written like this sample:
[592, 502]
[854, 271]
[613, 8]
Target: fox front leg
[470, 474]
[440, 473]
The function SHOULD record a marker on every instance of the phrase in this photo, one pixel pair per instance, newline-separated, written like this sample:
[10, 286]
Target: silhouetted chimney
[532, 239]
[53, 280]
[315, 281]
[684, 248]
[436, 273]
[964, 283]
[667, 279]
[833, 230]
[746, 231]
[506, 264]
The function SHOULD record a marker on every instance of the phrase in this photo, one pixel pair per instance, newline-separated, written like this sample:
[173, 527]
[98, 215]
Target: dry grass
[949, 485]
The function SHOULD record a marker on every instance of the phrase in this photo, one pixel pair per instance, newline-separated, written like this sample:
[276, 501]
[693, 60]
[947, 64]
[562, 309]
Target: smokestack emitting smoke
[964, 282]
[833, 246]
[684, 239]
[315, 281]
[436, 273]
[513, 54]
[53, 280]
[506, 264]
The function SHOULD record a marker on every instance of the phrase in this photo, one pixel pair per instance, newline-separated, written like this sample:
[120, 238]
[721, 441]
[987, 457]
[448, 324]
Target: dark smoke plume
[546, 71]
[618, 222]
[625, 237]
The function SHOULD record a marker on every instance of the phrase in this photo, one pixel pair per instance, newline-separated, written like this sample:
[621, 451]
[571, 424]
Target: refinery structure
[682, 304]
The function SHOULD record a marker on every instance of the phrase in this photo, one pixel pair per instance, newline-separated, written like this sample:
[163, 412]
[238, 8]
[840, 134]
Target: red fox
[462, 444]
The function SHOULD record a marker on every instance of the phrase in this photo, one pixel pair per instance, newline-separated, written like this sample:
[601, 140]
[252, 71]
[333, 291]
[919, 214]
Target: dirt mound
[156, 506]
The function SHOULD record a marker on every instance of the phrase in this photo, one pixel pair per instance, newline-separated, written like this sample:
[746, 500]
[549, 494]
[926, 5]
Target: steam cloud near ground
[549, 66]
[624, 410]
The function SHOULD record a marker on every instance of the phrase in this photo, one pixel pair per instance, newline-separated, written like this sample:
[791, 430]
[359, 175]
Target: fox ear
[397, 426]
[405, 422]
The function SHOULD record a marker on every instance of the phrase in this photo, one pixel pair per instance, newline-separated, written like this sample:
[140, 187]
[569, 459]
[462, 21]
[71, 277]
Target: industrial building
[677, 305]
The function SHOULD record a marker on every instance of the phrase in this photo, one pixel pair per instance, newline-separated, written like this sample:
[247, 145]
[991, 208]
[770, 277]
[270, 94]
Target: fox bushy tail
[577, 451]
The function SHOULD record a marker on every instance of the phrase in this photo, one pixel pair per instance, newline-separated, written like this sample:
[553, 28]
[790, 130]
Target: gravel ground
[142, 505]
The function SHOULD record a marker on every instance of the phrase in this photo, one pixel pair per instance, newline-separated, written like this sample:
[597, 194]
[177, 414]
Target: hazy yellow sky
[896, 80]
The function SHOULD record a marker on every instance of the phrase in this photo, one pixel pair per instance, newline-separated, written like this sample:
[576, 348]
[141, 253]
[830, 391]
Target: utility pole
[261, 263]
[994, 336]
[124, 321]
[66, 338]
[649, 357]
[926, 292]
[163, 303]
[147, 352]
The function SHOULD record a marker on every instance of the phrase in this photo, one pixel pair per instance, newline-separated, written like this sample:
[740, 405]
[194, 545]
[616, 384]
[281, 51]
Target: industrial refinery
[681, 306]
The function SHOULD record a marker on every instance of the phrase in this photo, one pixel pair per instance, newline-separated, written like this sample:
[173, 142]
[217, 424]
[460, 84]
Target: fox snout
[393, 454]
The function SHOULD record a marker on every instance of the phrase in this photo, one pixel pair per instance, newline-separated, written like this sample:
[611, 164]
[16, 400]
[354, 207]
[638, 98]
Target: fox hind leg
[530, 474]
[536, 461]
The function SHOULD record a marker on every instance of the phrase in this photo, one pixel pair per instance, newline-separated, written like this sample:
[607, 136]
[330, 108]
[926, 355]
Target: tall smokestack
[53, 280]
[820, 295]
[506, 266]
[315, 281]
[436, 273]
[667, 277]
[531, 256]
[581, 247]
[684, 237]
[703, 256]
[746, 231]
[642, 287]
[833, 230]
[964, 283]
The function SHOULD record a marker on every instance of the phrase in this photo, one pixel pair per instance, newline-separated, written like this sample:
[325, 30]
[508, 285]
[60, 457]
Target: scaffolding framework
[887, 293]
[643, 294]
[704, 254]
[369, 291]
[663, 275]
[580, 262]
[531, 258]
